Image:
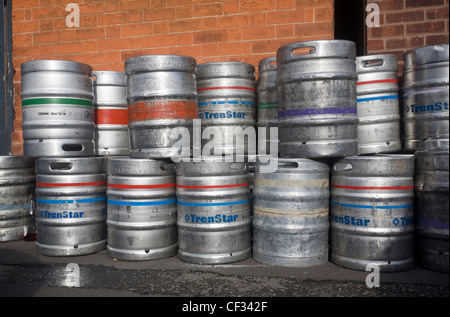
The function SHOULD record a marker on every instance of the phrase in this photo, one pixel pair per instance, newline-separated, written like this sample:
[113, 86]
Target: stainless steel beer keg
[142, 209]
[290, 220]
[17, 184]
[378, 105]
[316, 84]
[111, 113]
[431, 209]
[227, 106]
[371, 212]
[213, 211]
[425, 98]
[70, 206]
[57, 109]
[162, 104]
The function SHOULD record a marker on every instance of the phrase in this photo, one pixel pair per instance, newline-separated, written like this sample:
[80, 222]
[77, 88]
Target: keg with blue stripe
[431, 210]
[213, 211]
[290, 214]
[317, 113]
[17, 184]
[227, 106]
[142, 209]
[70, 206]
[371, 212]
[426, 98]
[378, 105]
[57, 109]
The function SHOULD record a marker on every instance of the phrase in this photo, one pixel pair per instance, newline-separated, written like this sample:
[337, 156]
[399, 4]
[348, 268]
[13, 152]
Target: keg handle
[303, 48]
[60, 166]
[288, 165]
[374, 62]
[342, 167]
[270, 62]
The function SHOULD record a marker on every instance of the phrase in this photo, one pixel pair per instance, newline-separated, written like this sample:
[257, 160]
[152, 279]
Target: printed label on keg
[223, 115]
[438, 106]
[61, 215]
[219, 218]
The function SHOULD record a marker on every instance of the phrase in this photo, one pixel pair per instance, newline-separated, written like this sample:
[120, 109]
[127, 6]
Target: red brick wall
[408, 24]
[112, 31]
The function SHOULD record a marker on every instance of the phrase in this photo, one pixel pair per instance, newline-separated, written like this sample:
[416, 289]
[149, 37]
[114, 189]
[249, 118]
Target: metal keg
[142, 209]
[431, 209]
[162, 104]
[57, 109]
[290, 220]
[111, 113]
[371, 212]
[378, 105]
[425, 98]
[213, 211]
[70, 206]
[316, 82]
[226, 106]
[17, 184]
[267, 115]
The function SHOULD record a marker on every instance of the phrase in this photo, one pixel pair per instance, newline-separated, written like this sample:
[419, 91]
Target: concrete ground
[25, 273]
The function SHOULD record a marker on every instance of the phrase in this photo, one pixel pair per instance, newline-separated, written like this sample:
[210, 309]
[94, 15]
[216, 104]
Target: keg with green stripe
[213, 211]
[17, 184]
[267, 115]
[70, 206]
[142, 209]
[57, 109]
[290, 214]
[378, 106]
[371, 212]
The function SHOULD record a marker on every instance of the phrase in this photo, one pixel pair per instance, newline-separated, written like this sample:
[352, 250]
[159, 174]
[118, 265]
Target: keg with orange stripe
[213, 211]
[371, 212]
[377, 104]
[111, 113]
[142, 209]
[70, 206]
[227, 101]
[162, 96]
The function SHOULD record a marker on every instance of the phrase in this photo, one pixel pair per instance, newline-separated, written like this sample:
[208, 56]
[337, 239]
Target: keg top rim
[143, 63]
[390, 63]
[425, 55]
[265, 64]
[55, 65]
[105, 77]
[15, 161]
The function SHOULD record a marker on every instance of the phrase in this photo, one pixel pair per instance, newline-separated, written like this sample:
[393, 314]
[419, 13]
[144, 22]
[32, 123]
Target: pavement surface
[25, 273]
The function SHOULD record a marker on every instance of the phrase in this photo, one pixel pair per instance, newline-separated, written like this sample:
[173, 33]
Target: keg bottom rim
[385, 266]
[294, 261]
[70, 250]
[142, 254]
[214, 258]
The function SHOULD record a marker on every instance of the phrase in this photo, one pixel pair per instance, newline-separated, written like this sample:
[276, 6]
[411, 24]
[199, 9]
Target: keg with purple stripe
[213, 211]
[316, 85]
[378, 106]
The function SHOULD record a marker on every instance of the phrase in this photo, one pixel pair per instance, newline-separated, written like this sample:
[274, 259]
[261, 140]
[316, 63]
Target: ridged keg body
[111, 113]
[70, 206]
[371, 212]
[317, 99]
[431, 209]
[378, 106]
[267, 115]
[142, 209]
[17, 184]
[57, 109]
[425, 98]
[213, 211]
[227, 106]
[162, 102]
[290, 220]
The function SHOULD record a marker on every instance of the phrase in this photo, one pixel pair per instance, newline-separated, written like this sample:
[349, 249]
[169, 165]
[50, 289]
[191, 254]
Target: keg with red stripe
[378, 105]
[70, 206]
[213, 211]
[111, 113]
[142, 209]
[227, 106]
[371, 212]
[162, 104]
